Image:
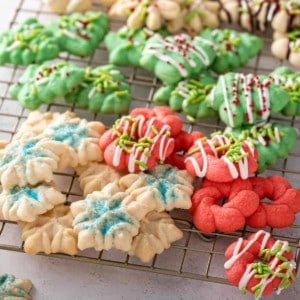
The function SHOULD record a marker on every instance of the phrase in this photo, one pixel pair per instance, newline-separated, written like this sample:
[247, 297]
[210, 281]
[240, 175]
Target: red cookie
[222, 158]
[259, 264]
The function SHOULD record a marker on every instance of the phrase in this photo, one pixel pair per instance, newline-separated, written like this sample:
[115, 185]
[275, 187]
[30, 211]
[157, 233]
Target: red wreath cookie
[246, 204]
[260, 265]
[222, 158]
[138, 141]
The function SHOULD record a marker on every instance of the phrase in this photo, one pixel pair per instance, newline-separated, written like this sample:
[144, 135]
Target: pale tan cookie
[94, 176]
[26, 203]
[50, 233]
[156, 234]
[31, 161]
[287, 46]
[79, 135]
[12, 288]
[68, 6]
[162, 188]
[103, 220]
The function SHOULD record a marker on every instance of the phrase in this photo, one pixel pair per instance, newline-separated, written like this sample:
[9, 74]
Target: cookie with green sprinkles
[188, 96]
[244, 99]
[80, 34]
[29, 42]
[103, 89]
[41, 84]
[234, 49]
[126, 45]
[272, 141]
[177, 57]
[290, 82]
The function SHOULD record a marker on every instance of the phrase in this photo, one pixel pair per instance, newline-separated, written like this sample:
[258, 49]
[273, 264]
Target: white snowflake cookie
[12, 288]
[102, 221]
[68, 6]
[31, 161]
[26, 203]
[156, 234]
[94, 176]
[50, 233]
[162, 188]
[80, 135]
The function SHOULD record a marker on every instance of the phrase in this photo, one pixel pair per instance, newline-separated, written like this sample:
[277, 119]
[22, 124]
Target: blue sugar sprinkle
[108, 224]
[18, 192]
[72, 134]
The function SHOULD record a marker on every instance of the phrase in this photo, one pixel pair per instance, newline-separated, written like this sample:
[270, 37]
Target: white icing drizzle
[277, 134]
[42, 81]
[92, 92]
[161, 137]
[237, 252]
[231, 167]
[248, 96]
[69, 34]
[226, 101]
[13, 46]
[261, 139]
[182, 89]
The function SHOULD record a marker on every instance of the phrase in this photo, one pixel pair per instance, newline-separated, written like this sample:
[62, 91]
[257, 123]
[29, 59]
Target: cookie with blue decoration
[29, 42]
[51, 232]
[42, 84]
[12, 288]
[163, 187]
[32, 160]
[103, 221]
[79, 135]
[26, 203]
[103, 90]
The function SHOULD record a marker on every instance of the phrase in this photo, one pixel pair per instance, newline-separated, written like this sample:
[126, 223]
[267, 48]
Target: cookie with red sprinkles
[140, 140]
[244, 99]
[80, 34]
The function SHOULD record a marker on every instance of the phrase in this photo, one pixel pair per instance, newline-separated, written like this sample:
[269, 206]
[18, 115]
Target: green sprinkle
[154, 129]
[141, 164]
[121, 93]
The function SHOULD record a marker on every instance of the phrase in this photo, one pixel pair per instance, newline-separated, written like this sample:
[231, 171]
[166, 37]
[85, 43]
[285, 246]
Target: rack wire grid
[195, 256]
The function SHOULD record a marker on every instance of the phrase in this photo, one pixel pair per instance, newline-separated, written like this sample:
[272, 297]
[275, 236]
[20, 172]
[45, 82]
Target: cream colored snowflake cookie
[31, 161]
[80, 135]
[162, 188]
[103, 220]
[94, 176]
[12, 288]
[50, 233]
[26, 203]
[156, 234]
[68, 6]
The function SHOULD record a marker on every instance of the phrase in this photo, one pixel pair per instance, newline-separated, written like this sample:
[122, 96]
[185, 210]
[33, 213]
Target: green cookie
[246, 99]
[42, 84]
[30, 42]
[273, 141]
[80, 34]
[126, 45]
[234, 49]
[174, 58]
[102, 90]
[289, 80]
[188, 96]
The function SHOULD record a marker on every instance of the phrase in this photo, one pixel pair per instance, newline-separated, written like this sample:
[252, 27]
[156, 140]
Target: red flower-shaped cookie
[280, 211]
[222, 158]
[209, 216]
[259, 264]
[138, 141]
[246, 204]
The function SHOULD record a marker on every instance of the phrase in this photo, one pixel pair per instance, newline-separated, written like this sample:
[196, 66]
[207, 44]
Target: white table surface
[60, 279]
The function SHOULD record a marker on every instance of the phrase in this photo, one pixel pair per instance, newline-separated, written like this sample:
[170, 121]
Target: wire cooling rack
[195, 256]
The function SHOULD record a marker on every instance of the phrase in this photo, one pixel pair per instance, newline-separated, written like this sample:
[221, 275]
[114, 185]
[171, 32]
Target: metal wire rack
[196, 256]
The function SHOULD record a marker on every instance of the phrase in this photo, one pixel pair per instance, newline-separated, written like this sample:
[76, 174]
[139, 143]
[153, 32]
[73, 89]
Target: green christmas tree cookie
[102, 90]
[80, 34]
[29, 42]
[41, 84]
[174, 58]
[272, 141]
[188, 96]
[290, 82]
[126, 45]
[234, 49]
[246, 99]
